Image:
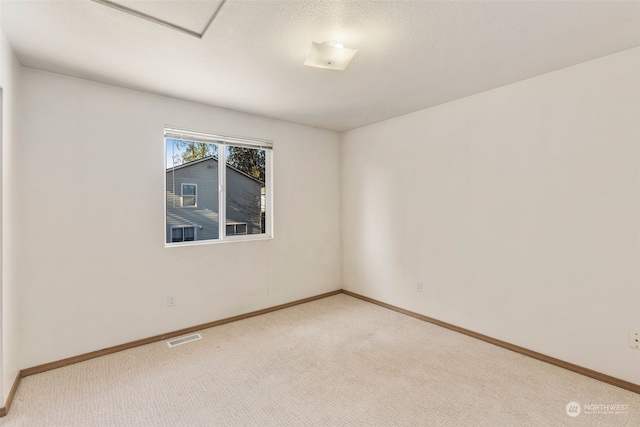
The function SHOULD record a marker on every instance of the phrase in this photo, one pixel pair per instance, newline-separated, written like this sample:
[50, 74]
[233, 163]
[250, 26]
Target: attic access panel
[189, 17]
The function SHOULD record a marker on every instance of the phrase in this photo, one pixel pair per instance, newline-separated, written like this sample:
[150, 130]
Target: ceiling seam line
[149, 18]
[215, 15]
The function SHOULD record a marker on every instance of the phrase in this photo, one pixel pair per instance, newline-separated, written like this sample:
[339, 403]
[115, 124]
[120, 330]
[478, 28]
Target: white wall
[9, 82]
[518, 209]
[93, 267]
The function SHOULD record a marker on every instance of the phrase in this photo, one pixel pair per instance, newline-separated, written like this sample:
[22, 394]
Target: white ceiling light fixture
[330, 55]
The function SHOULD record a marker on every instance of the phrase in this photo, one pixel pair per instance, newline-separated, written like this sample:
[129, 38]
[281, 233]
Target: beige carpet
[337, 361]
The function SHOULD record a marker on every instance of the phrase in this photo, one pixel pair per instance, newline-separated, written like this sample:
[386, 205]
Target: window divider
[222, 187]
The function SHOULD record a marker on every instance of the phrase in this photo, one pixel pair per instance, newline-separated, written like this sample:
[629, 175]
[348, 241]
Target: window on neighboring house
[183, 234]
[189, 195]
[236, 228]
[232, 202]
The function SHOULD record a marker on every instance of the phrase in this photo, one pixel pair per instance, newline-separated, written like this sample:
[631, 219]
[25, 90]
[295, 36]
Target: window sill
[230, 239]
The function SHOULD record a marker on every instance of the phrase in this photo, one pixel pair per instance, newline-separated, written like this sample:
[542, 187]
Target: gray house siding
[243, 199]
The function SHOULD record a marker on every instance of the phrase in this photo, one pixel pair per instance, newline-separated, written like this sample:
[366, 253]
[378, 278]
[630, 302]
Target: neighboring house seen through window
[225, 182]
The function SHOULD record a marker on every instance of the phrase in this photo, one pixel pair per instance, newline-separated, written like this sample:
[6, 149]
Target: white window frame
[182, 195]
[180, 134]
[195, 233]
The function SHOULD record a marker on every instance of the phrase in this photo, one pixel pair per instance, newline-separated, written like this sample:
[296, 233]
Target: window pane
[176, 235]
[188, 200]
[189, 234]
[196, 165]
[188, 190]
[246, 191]
[230, 229]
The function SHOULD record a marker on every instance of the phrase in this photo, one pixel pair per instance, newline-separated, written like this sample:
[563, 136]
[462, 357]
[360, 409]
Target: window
[189, 195]
[236, 229]
[225, 182]
[183, 234]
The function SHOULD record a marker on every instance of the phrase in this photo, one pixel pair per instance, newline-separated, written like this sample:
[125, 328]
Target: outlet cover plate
[171, 300]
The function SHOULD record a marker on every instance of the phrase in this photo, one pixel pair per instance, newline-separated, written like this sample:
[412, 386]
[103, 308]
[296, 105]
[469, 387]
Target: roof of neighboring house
[214, 158]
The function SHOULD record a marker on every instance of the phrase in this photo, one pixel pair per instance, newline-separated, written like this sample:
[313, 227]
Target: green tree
[192, 151]
[247, 160]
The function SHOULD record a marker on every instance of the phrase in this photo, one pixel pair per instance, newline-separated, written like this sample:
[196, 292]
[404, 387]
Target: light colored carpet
[338, 361]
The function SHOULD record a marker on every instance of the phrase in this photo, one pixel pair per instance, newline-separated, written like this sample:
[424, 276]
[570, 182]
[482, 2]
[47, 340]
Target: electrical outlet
[634, 339]
[419, 287]
[171, 300]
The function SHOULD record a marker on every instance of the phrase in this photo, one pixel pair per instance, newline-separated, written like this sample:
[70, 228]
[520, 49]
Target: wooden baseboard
[533, 354]
[5, 409]
[87, 356]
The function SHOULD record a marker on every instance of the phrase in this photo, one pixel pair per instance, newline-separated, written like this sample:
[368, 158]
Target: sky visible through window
[173, 152]
[176, 149]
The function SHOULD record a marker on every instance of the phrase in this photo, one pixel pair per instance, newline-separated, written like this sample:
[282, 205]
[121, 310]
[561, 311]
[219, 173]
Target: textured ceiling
[412, 54]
